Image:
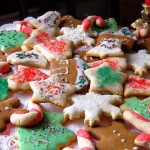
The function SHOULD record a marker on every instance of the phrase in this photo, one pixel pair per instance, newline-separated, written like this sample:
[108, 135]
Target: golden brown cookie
[114, 137]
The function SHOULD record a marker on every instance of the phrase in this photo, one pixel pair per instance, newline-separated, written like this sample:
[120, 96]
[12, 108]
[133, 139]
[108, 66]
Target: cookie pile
[88, 69]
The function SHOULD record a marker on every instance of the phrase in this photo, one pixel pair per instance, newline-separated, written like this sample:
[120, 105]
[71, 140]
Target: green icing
[47, 135]
[3, 88]
[139, 106]
[107, 76]
[111, 25]
[10, 39]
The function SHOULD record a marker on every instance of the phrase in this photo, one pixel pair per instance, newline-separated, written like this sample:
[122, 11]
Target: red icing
[24, 22]
[5, 69]
[86, 24]
[42, 37]
[26, 30]
[84, 134]
[58, 47]
[8, 130]
[114, 64]
[28, 74]
[86, 148]
[140, 117]
[138, 83]
[143, 137]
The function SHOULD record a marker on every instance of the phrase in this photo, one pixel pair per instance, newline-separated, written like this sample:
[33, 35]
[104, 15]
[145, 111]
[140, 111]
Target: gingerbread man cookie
[51, 90]
[92, 105]
[77, 36]
[48, 135]
[139, 62]
[21, 78]
[11, 41]
[107, 47]
[105, 79]
[113, 137]
[55, 49]
[7, 108]
[64, 68]
[32, 59]
[137, 86]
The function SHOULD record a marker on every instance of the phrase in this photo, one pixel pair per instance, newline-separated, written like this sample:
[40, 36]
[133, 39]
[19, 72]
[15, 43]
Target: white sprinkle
[123, 140]
[6, 108]
[119, 134]
[114, 131]
[135, 148]
[125, 149]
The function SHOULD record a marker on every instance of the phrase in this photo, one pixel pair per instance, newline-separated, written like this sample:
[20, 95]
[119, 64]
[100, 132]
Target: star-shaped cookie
[93, 105]
[107, 47]
[51, 90]
[105, 79]
[139, 62]
[77, 35]
[137, 105]
[114, 137]
[55, 49]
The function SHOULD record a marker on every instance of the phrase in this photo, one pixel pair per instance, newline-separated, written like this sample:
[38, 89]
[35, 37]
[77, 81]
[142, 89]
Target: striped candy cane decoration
[34, 116]
[84, 141]
[87, 22]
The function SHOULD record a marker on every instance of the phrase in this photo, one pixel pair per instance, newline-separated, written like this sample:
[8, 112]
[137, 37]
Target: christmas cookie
[48, 20]
[48, 135]
[31, 58]
[70, 71]
[55, 49]
[139, 62]
[69, 21]
[51, 90]
[93, 105]
[21, 78]
[105, 79]
[11, 41]
[113, 137]
[3, 88]
[117, 63]
[77, 36]
[137, 105]
[39, 36]
[7, 108]
[137, 86]
[107, 47]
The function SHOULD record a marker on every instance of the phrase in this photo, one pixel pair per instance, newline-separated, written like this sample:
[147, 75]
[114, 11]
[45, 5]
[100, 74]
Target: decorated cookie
[31, 58]
[33, 117]
[139, 62]
[93, 105]
[114, 137]
[11, 41]
[55, 49]
[7, 140]
[7, 108]
[51, 90]
[71, 71]
[117, 63]
[110, 24]
[3, 88]
[69, 21]
[127, 42]
[137, 105]
[48, 135]
[39, 36]
[105, 79]
[107, 47]
[21, 78]
[137, 86]
[77, 36]
[49, 19]
[84, 141]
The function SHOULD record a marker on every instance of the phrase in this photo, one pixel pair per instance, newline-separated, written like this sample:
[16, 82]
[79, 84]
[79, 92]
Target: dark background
[124, 11]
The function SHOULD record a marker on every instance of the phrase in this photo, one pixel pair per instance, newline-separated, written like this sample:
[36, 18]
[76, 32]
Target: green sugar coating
[137, 105]
[11, 39]
[111, 25]
[47, 135]
[107, 76]
[3, 88]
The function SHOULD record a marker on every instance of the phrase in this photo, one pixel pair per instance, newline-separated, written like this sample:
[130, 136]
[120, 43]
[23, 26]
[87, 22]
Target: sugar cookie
[3, 88]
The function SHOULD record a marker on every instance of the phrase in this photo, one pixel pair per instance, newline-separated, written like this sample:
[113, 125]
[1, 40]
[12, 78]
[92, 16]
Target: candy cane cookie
[84, 141]
[87, 22]
[34, 116]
